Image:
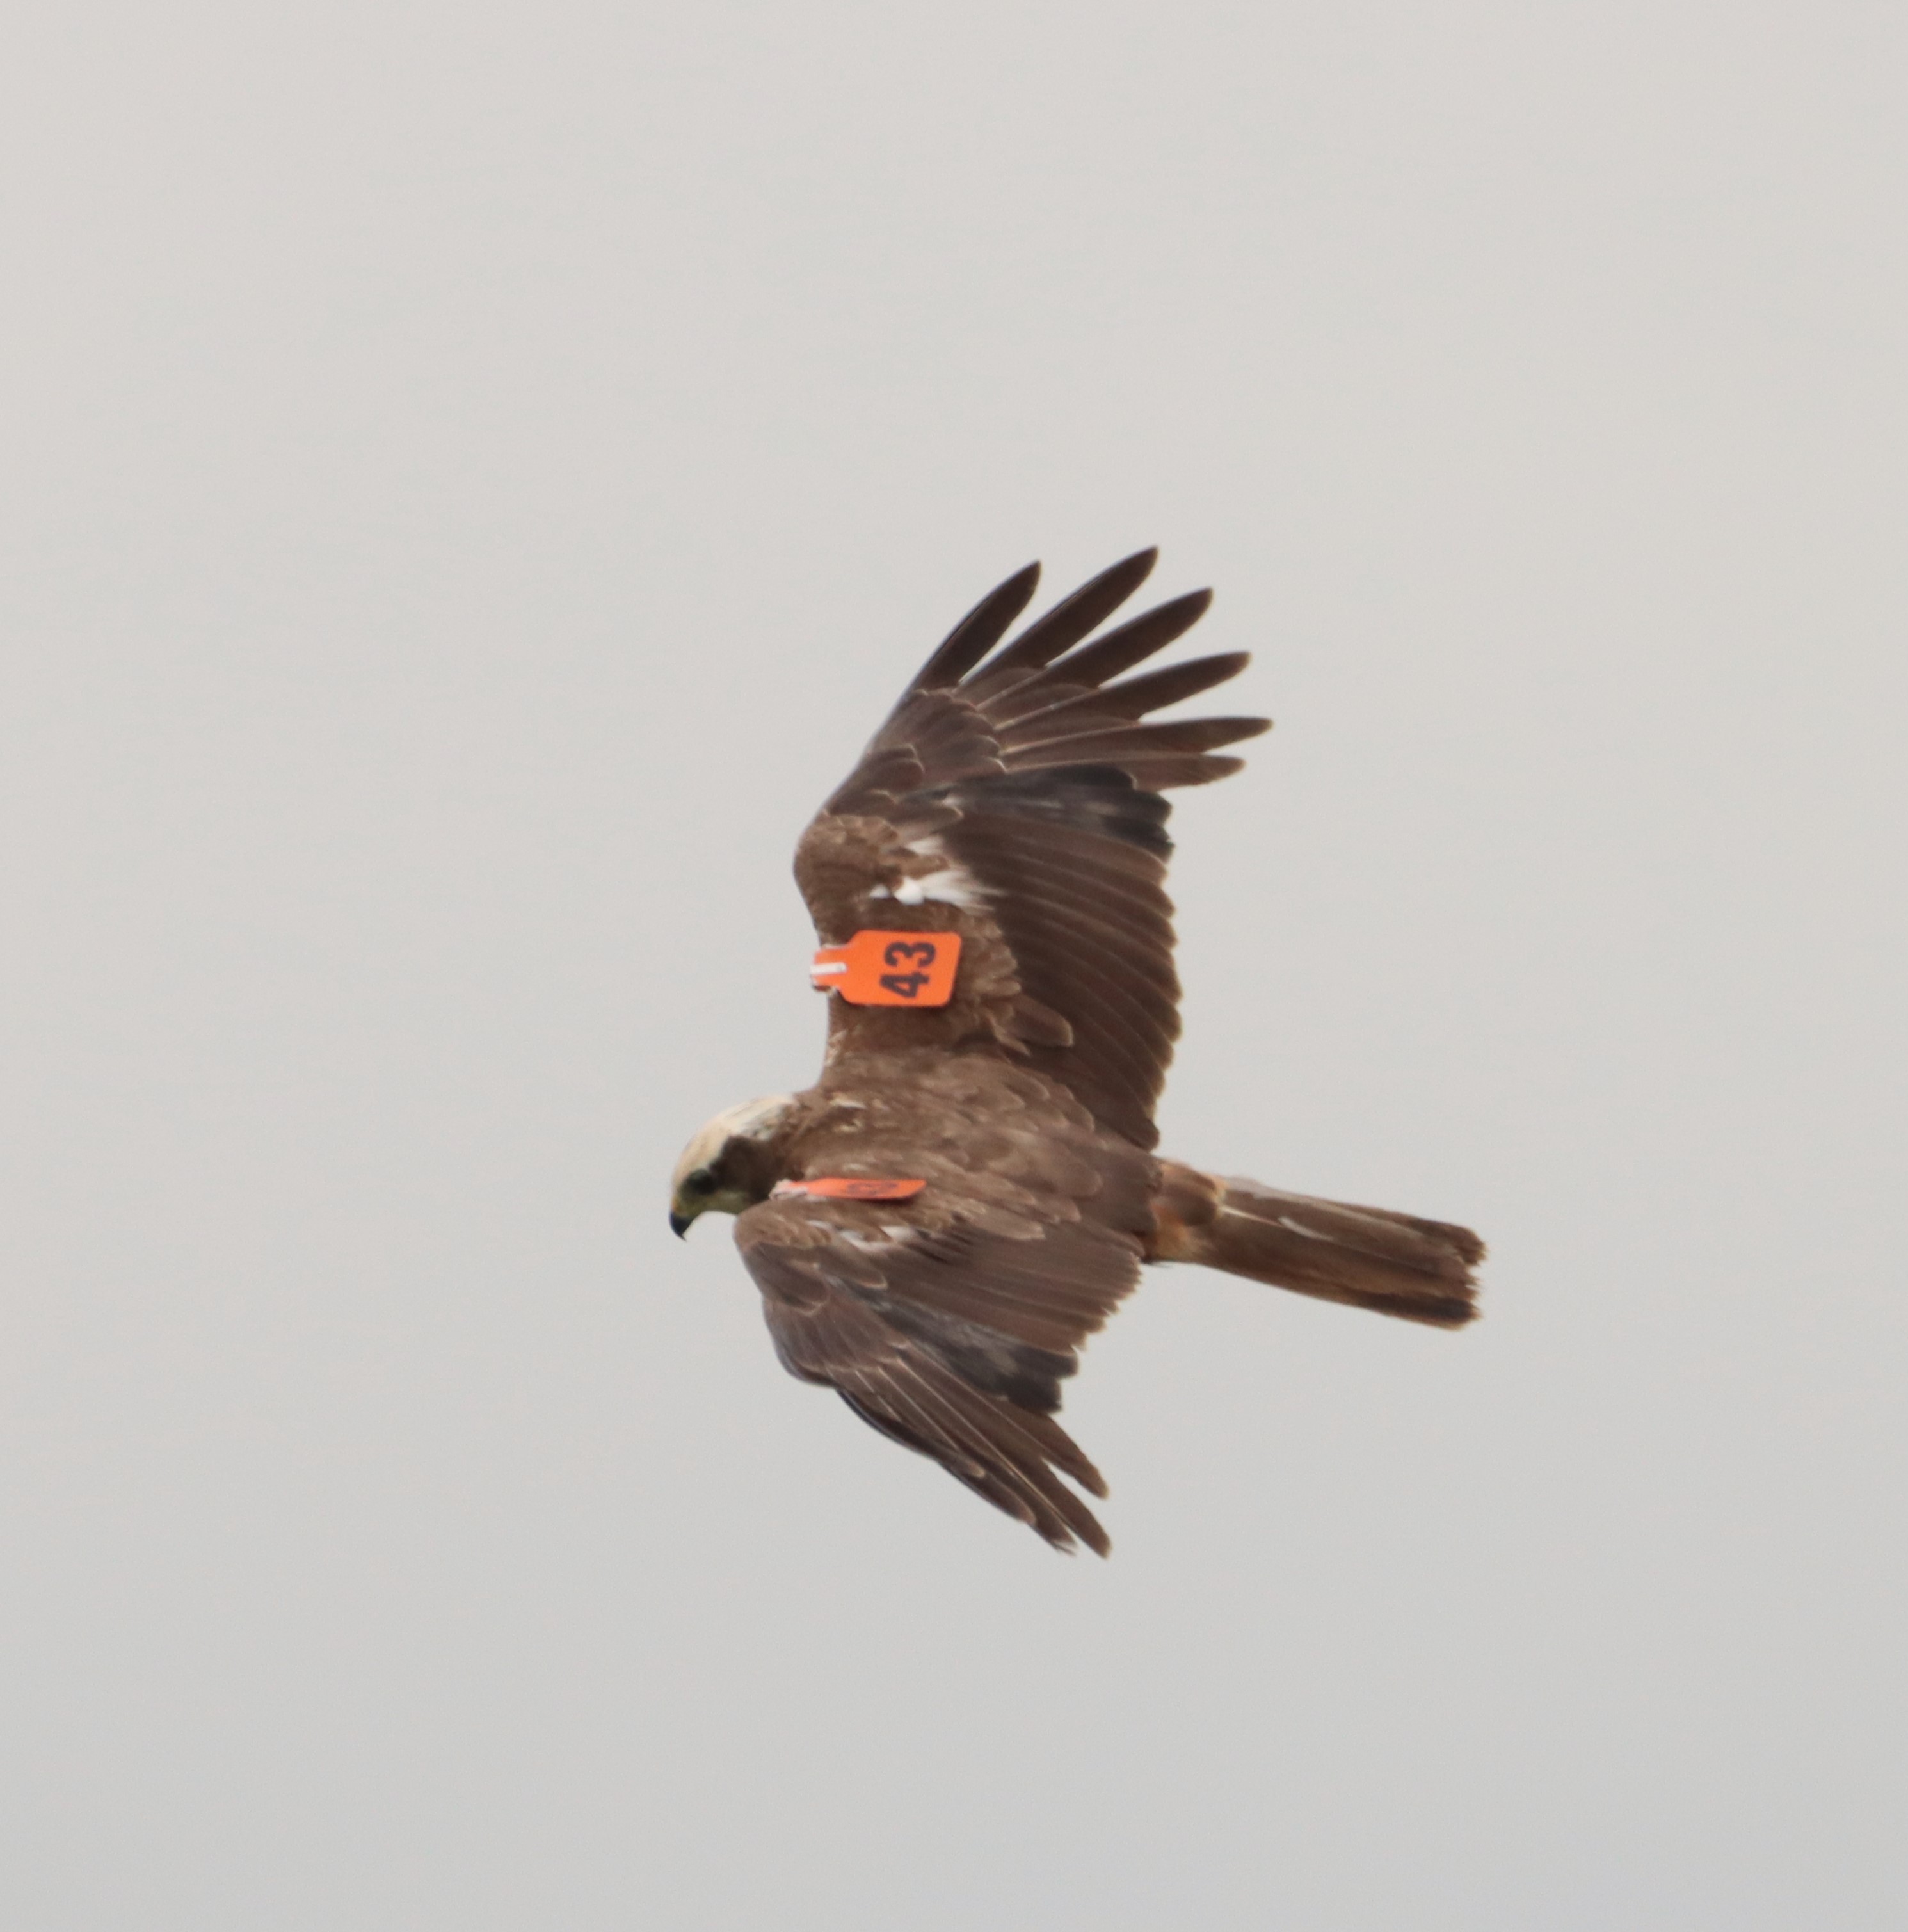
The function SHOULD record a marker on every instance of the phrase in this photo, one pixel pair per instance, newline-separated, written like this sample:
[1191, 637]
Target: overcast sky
[474, 476]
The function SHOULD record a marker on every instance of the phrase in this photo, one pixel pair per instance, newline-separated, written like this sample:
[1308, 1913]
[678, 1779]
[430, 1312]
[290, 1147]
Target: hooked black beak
[679, 1225]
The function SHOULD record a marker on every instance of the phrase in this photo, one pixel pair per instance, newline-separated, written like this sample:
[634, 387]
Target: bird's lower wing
[953, 1341]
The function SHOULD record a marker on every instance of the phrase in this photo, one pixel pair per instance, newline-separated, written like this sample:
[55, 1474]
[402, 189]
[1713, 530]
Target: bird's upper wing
[1014, 798]
[948, 1324]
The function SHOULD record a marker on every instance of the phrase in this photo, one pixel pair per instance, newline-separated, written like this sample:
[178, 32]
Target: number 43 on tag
[891, 969]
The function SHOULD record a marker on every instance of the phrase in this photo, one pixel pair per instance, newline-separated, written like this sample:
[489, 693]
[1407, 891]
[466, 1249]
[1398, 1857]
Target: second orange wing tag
[851, 1187]
[891, 969]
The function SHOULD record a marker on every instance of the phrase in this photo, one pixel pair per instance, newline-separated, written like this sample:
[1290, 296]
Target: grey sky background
[474, 477]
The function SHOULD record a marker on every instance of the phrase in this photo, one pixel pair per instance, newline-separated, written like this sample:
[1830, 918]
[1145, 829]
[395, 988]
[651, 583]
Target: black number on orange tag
[905, 985]
[902, 949]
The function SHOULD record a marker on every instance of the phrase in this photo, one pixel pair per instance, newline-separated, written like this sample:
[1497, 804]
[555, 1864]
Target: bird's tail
[1368, 1257]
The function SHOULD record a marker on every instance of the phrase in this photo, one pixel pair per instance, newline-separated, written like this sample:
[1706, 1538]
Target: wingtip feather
[1074, 617]
[980, 631]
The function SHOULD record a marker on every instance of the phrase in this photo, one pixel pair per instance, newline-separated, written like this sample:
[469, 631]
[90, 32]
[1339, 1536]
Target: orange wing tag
[850, 1187]
[890, 969]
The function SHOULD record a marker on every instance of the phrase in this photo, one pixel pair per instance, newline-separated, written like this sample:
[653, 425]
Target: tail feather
[1367, 1257]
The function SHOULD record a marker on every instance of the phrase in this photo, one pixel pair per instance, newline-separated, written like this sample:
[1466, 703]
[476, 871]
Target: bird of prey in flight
[971, 1188]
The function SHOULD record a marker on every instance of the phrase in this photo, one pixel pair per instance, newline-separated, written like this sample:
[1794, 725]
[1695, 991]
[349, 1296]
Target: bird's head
[726, 1164]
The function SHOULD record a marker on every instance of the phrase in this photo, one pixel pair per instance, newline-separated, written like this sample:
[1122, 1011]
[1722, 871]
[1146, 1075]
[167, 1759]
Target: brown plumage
[1013, 798]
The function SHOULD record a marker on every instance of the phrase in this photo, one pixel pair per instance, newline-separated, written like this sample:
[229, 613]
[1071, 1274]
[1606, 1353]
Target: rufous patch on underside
[890, 969]
[850, 1187]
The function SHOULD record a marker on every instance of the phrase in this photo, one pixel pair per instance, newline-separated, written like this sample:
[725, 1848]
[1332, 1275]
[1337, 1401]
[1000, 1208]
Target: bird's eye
[701, 1182]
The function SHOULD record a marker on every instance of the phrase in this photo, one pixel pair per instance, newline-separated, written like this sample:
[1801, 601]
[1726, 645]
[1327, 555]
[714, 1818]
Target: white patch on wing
[948, 884]
[876, 1247]
[1300, 1228]
[953, 885]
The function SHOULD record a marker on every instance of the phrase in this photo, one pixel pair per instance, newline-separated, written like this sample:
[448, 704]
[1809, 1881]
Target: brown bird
[970, 1189]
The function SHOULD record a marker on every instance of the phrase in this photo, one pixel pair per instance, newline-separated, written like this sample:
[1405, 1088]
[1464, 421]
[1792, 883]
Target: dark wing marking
[1029, 779]
[949, 1339]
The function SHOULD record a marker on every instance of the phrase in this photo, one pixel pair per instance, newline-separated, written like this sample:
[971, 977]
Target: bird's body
[971, 1188]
